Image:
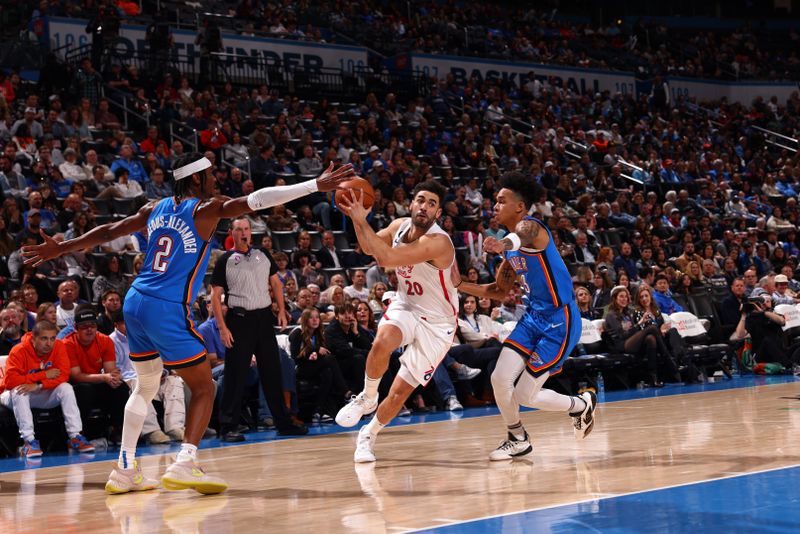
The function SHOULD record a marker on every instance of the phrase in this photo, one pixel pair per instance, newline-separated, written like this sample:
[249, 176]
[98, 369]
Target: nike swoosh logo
[554, 325]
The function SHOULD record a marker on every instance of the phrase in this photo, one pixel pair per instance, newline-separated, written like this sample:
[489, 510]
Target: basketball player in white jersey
[422, 317]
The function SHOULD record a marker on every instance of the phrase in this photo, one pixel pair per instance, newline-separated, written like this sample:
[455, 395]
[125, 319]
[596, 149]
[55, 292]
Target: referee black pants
[253, 334]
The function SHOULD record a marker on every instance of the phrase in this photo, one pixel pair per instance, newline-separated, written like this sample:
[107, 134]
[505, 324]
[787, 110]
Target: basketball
[368, 193]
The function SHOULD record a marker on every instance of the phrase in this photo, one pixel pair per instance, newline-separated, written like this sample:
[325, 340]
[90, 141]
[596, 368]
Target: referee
[243, 275]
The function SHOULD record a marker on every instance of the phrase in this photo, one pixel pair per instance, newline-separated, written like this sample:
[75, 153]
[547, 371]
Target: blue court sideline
[55, 459]
[760, 502]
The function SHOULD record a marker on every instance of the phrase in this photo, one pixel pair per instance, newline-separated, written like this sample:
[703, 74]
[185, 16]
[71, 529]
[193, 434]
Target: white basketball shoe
[584, 422]
[511, 448]
[364, 447]
[352, 412]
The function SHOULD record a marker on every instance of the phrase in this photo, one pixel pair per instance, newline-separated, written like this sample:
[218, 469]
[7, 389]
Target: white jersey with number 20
[423, 288]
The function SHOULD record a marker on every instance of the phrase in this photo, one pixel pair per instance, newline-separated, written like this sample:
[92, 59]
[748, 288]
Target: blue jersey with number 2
[177, 256]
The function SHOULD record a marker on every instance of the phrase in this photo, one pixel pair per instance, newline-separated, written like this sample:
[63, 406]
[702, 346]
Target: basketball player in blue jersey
[157, 307]
[548, 331]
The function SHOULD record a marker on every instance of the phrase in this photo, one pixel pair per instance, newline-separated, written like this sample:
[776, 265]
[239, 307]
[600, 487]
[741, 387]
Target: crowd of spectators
[647, 204]
[505, 31]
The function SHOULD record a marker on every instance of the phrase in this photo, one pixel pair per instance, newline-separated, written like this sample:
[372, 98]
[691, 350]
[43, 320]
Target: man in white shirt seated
[127, 188]
[71, 169]
[358, 289]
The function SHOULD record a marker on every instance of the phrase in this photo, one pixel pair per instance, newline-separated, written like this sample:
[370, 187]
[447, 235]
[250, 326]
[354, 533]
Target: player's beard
[415, 219]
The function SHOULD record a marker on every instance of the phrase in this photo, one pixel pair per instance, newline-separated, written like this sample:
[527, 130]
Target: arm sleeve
[282, 194]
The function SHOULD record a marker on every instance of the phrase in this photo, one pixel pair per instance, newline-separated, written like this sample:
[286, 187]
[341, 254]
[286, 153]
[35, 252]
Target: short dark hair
[431, 186]
[347, 307]
[661, 277]
[43, 326]
[523, 185]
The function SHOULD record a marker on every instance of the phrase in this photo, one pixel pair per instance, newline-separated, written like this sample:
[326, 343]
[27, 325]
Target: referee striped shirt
[244, 278]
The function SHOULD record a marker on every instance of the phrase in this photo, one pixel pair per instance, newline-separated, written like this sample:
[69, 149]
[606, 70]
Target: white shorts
[426, 342]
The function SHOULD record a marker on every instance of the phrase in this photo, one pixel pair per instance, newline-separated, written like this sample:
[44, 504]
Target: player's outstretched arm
[492, 291]
[268, 197]
[36, 254]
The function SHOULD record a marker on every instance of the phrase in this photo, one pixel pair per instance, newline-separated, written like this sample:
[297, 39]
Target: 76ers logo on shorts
[428, 374]
[404, 271]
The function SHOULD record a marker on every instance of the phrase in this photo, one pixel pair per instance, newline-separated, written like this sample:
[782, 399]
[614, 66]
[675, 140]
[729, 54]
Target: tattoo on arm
[527, 231]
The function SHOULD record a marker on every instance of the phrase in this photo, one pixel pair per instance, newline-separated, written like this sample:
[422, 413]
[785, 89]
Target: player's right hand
[330, 179]
[352, 205]
[38, 254]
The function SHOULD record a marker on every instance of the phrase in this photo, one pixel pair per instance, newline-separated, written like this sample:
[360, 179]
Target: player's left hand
[330, 179]
[38, 254]
[352, 205]
[493, 246]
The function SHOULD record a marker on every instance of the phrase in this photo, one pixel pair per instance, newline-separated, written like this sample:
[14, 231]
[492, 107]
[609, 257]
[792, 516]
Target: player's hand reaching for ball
[352, 205]
[330, 179]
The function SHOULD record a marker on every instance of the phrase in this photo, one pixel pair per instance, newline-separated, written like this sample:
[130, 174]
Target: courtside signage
[579, 80]
[309, 56]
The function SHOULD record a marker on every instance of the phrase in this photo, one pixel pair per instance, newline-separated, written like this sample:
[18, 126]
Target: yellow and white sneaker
[189, 475]
[125, 480]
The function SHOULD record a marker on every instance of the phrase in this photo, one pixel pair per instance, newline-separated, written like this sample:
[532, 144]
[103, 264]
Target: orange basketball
[367, 192]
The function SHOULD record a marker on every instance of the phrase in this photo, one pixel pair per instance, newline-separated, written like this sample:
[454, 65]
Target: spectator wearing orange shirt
[36, 377]
[93, 369]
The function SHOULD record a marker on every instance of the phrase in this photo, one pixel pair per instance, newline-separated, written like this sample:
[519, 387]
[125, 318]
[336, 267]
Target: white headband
[188, 170]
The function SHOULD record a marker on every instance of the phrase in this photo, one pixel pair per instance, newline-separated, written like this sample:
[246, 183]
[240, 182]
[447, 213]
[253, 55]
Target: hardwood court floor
[427, 475]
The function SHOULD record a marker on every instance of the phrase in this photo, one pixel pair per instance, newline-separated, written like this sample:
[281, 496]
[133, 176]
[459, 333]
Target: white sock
[188, 452]
[374, 426]
[371, 387]
[578, 405]
[126, 457]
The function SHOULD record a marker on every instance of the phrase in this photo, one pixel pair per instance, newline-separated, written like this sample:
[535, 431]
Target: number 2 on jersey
[413, 289]
[160, 260]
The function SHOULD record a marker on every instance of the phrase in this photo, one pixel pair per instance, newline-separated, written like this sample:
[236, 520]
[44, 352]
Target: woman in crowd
[316, 364]
[695, 274]
[605, 259]
[365, 318]
[376, 298]
[584, 300]
[110, 277]
[476, 329]
[46, 312]
[602, 288]
[645, 304]
[639, 337]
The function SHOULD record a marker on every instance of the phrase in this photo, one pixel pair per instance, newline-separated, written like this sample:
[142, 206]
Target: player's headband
[188, 170]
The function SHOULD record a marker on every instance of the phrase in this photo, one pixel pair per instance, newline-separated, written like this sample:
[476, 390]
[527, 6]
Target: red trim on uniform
[444, 289]
[548, 276]
[140, 354]
[526, 350]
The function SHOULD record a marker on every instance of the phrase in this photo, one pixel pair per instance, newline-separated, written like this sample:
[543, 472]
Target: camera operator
[159, 42]
[104, 29]
[209, 39]
[765, 328]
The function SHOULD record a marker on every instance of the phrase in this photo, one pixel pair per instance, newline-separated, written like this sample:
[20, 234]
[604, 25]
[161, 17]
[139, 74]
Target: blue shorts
[158, 327]
[545, 340]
